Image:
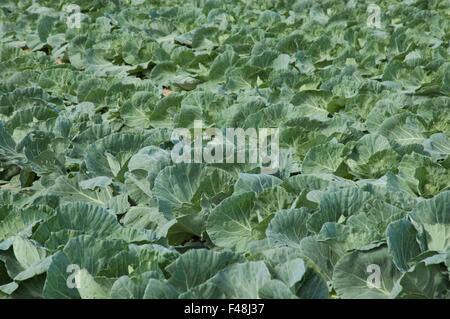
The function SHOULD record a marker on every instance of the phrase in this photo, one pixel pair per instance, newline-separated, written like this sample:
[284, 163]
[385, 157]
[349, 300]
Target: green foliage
[86, 176]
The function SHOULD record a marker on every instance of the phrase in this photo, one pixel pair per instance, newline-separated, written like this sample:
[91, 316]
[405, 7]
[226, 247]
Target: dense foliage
[87, 179]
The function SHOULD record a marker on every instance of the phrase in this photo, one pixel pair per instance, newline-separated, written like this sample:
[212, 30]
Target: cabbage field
[110, 189]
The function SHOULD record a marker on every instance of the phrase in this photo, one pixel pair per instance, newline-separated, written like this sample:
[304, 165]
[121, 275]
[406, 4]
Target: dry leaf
[167, 92]
[5, 186]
